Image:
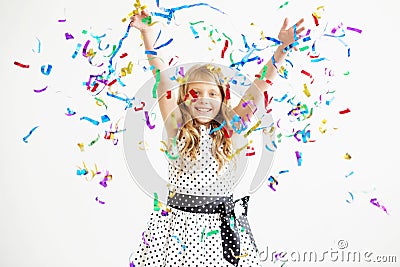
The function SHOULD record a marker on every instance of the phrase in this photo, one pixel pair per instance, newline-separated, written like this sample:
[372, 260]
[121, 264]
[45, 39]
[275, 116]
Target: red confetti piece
[307, 74]
[94, 88]
[123, 55]
[21, 65]
[169, 94]
[113, 81]
[312, 56]
[252, 153]
[140, 108]
[347, 110]
[224, 49]
[228, 92]
[266, 101]
[315, 20]
[269, 82]
[226, 134]
[193, 93]
[170, 61]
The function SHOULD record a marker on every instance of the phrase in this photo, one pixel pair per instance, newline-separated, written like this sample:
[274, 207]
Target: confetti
[224, 49]
[157, 74]
[145, 241]
[100, 201]
[46, 71]
[70, 112]
[183, 247]
[63, 20]
[213, 232]
[78, 47]
[315, 19]
[284, 4]
[146, 114]
[39, 46]
[374, 201]
[347, 110]
[164, 44]
[21, 65]
[299, 158]
[81, 147]
[40, 90]
[354, 29]
[352, 198]
[94, 122]
[143, 104]
[156, 203]
[25, 139]
[68, 36]
[239, 256]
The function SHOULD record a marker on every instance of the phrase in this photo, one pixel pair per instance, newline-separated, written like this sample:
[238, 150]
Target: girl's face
[206, 106]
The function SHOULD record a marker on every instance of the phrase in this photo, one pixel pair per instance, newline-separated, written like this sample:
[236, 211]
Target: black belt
[225, 207]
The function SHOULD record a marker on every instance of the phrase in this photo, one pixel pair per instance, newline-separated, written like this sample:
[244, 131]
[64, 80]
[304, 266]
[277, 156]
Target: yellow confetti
[322, 127]
[306, 91]
[142, 145]
[90, 53]
[237, 152]
[127, 70]
[95, 171]
[81, 147]
[347, 156]
[138, 9]
[239, 256]
[318, 13]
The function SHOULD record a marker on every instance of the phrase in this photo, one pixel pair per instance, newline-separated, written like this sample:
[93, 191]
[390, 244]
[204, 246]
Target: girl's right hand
[137, 21]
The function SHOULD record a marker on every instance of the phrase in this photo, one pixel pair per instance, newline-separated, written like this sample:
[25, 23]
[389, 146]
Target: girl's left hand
[286, 36]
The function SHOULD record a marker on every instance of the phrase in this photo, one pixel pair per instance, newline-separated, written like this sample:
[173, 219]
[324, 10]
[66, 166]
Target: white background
[49, 215]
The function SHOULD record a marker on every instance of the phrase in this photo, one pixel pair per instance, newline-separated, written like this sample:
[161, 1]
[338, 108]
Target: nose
[202, 99]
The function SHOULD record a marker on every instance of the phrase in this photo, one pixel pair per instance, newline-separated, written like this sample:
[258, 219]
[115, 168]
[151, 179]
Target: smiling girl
[203, 226]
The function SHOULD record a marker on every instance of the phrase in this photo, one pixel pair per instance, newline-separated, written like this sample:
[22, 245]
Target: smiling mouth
[203, 110]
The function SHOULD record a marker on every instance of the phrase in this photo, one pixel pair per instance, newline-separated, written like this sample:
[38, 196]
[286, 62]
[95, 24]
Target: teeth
[203, 109]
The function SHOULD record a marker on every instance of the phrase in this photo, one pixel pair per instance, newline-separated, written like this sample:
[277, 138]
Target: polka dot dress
[186, 239]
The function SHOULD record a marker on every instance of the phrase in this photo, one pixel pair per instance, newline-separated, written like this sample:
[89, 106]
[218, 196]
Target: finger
[145, 12]
[300, 30]
[285, 24]
[300, 22]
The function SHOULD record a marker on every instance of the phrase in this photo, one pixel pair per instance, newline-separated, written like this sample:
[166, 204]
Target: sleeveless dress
[179, 238]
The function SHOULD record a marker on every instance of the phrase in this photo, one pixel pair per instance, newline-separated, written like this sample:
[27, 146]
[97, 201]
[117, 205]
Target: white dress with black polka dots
[184, 239]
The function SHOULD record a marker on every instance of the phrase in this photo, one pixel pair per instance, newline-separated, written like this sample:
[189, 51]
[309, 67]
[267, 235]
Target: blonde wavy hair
[190, 129]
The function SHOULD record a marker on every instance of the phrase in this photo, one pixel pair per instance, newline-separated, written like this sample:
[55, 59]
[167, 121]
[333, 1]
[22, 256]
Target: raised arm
[167, 106]
[268, 71]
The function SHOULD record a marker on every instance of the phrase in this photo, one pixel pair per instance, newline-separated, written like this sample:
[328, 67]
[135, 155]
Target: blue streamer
[25, 139]
[90, 120]
[165, 44]
[170, 11]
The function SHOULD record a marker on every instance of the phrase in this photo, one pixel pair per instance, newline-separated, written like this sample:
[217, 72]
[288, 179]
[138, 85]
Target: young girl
[204, 225]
